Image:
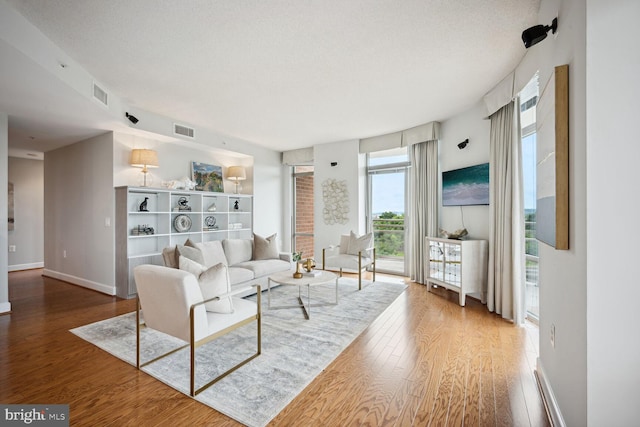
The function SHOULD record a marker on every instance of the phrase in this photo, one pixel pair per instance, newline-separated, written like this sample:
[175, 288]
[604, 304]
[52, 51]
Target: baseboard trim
[30, 266]
[550, 402]
[5, 307]
[105, 289]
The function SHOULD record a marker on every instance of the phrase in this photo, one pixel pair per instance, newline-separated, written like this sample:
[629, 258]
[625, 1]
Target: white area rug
[294, 350]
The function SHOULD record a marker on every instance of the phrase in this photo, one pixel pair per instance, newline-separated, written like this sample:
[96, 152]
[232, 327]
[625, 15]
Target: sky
[388, 193]
[529, 170]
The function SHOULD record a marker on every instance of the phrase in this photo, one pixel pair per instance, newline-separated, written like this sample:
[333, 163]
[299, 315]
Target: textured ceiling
[290, 74]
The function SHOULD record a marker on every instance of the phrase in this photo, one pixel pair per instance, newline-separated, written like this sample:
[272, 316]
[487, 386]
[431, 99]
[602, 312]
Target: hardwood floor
[425, 361]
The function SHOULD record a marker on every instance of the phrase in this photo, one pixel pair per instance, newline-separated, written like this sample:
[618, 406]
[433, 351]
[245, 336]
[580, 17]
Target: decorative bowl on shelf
[182, 223]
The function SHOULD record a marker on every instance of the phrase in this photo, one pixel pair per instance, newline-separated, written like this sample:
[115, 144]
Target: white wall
[286, 188]
[470, 124]
[79, 200]
[5, 305]
[175, 160]
[268, 199]
[350, 168]
[613, 152]
[27, 176]
[563, 278]
[563, 274]
[264, 174]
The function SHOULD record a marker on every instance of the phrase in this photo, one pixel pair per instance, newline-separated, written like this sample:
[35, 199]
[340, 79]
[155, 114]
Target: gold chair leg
[374, 264]
[193, 345]
[323, 264]
[138, 332]
[192, 348]
[360, 270]
[259, 314]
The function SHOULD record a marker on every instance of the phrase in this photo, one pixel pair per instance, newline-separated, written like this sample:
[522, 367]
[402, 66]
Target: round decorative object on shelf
[210, 221]
[182, 223]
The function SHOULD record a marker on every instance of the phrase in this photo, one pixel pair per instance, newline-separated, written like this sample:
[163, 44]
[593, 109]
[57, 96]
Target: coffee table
[286, 278]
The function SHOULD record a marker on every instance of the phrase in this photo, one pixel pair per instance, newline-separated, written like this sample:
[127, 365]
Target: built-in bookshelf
[151, 219]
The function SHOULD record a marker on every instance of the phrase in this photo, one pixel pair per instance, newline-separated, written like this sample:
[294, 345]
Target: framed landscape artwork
[552, 184]
[207, 177]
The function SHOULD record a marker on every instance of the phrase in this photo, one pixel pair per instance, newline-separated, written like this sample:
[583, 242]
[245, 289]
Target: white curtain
[505, 293]
[423, 202]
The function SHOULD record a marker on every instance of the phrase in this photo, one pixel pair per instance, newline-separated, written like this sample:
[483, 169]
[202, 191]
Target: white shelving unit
[458, 265]
[142, 235]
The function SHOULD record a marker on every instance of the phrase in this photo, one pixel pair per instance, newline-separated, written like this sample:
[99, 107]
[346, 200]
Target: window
[386, 206]
[302, 236]
[528, 100]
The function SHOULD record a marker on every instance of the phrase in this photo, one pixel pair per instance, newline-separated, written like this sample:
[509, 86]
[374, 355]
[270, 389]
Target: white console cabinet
[458, 265]
[171, 217]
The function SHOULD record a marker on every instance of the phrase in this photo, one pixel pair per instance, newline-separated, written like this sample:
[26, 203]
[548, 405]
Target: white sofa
[248, 260]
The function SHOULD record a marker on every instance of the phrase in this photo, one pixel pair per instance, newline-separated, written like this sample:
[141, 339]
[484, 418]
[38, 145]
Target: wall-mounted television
[466, 186]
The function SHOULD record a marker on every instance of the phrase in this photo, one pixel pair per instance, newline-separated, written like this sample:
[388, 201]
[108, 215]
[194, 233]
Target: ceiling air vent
[100, 95]
[184, 131]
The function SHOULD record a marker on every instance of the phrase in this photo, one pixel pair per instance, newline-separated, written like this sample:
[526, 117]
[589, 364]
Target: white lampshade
[143, 158]
[236, 173]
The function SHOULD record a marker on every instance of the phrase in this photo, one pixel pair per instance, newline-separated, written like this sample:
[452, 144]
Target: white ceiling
[282, 73]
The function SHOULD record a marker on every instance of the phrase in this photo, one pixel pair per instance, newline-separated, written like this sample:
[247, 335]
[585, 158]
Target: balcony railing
[388, 235]
[531, 270]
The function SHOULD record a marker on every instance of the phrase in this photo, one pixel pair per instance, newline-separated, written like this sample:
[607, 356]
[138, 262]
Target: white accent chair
[340, 257]
[172, 303]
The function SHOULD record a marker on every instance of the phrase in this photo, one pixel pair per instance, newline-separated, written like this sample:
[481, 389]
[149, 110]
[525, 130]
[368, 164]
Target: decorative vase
[298, 273]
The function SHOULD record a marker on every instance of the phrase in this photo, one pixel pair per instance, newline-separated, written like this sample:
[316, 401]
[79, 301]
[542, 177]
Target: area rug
[294, 350]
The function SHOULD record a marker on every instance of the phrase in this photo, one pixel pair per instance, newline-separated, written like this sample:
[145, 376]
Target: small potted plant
[297, 256]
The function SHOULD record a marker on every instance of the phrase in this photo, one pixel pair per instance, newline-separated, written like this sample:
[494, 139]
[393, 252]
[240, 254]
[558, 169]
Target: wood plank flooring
[424, 362]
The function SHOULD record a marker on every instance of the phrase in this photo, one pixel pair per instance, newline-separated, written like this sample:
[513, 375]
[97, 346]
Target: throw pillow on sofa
[213, 281]
[265, 247]
[169, 257]
[194, 254]
[212, 252]
[238, 250]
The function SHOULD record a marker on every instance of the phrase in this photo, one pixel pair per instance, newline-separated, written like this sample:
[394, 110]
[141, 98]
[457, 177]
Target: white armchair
[172, 303]
[352, 254]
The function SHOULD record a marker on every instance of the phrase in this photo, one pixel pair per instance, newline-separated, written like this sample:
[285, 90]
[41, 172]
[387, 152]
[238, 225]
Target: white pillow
[194, 254]
[344, 244]
[265, 247]
[238, 250]
[213, 281]
[357, 244]
[212, 253]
